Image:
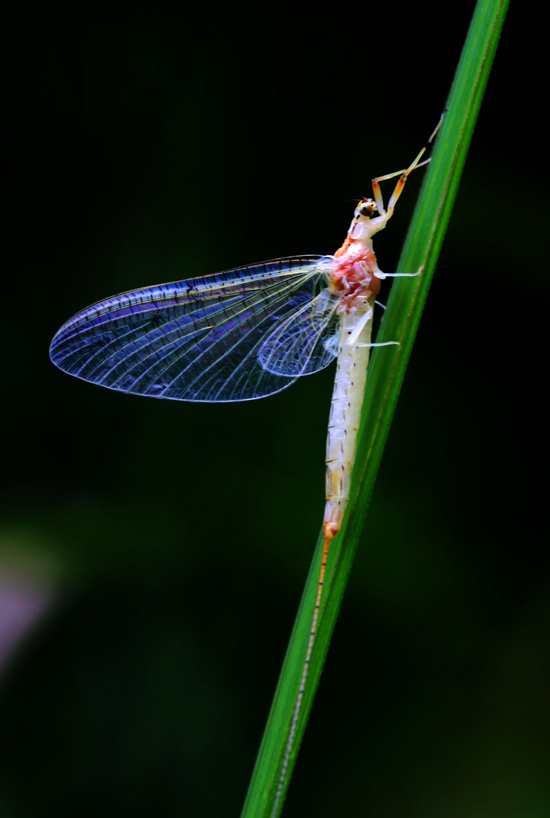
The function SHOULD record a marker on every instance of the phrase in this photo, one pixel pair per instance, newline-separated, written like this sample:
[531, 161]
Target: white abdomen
[345, 414]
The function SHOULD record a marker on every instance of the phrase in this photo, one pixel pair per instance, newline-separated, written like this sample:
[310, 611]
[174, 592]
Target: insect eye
[366, 210]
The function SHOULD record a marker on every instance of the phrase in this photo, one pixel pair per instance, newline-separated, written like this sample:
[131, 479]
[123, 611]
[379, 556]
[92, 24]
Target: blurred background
[152, 554]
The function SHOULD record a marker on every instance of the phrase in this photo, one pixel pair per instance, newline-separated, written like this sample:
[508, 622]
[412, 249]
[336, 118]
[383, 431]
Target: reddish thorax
[352, 274]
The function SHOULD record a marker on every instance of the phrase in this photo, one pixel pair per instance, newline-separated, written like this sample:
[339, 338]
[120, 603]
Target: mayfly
[247, 333]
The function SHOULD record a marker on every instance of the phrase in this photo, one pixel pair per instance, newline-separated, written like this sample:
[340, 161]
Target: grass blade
[386, 373]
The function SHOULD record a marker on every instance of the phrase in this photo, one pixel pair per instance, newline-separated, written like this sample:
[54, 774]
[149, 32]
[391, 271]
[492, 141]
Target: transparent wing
[196, 340]
[301, 343]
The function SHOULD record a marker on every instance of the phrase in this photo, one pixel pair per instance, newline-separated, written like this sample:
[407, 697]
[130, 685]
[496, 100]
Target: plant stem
[386, 373]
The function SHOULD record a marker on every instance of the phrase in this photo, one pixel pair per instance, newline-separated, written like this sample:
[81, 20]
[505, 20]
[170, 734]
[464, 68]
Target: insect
[248, 333]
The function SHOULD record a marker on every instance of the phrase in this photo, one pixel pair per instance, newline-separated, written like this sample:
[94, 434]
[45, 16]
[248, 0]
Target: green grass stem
[386, 373]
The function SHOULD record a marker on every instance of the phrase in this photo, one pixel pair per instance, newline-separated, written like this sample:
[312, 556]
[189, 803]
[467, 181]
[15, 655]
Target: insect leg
[398, 190]
[353, 339]
[379, 274]
[403, 176]
[359, 327]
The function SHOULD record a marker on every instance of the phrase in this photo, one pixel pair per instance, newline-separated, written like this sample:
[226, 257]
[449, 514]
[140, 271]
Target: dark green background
[175, 538]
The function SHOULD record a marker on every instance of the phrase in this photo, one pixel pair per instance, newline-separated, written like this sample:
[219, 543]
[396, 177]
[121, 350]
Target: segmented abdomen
[345, 414]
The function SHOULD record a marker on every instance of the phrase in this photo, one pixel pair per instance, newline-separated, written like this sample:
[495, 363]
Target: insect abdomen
[345, 414]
